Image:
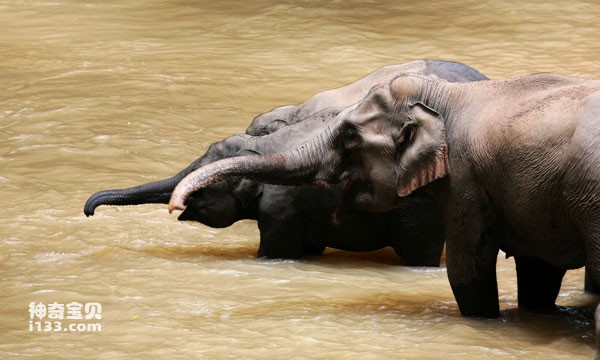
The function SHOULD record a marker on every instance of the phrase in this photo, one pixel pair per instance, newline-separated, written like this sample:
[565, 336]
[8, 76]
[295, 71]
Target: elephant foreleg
[538, 282]
[477, 297]
[418, 232]
[590, 285]
[597, 320]
[313, 249]
[471, 254]
[281, 238]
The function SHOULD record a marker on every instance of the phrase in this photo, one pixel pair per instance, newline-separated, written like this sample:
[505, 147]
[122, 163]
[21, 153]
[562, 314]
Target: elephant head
[269, 122]
[220, 206]
[352, 93]
[381, 149]
[284, 128]
[225, 202]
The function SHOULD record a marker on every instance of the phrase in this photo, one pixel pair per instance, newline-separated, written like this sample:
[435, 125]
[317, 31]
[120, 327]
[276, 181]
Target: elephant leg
[313, 249]
[477, 297]
[471, 254]
[281, 238]
[591, 229]
[597, 320]
[538, 282]
[418, 232]
[591, 285]
[420, 248]
[283, 228]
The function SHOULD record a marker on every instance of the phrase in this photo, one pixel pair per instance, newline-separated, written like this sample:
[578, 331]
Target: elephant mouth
[359, 195]
[210, 212]
[355, 196]
[363, 196]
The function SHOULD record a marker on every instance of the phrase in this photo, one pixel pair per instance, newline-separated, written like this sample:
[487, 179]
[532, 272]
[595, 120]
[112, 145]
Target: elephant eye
[351, 137]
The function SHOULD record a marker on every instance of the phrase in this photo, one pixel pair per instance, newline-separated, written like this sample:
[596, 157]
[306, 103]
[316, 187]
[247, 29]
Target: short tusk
[205, 176]
[176, 206]
[279, 168]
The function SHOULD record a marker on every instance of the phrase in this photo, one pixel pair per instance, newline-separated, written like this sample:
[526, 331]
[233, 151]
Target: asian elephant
[514, 165]
[347, 95]
[295, 221]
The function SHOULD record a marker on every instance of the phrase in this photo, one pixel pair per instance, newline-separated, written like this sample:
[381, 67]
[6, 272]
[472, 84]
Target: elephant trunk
[157, 192]
[300, 166]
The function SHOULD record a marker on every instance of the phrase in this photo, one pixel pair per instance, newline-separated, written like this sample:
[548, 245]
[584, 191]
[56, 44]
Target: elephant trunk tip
[90, 205]
[175, 205]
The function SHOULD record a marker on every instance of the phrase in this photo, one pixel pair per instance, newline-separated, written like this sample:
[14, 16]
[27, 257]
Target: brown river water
[108, 94]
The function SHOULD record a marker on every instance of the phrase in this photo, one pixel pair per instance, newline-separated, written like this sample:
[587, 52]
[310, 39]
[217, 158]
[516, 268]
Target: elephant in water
[345, 96]
[514, 165]
[295, 221]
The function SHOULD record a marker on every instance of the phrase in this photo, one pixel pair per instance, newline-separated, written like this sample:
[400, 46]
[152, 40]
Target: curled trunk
[296, 167]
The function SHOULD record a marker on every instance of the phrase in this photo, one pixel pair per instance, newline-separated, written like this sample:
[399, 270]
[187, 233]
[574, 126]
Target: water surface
[109, 94]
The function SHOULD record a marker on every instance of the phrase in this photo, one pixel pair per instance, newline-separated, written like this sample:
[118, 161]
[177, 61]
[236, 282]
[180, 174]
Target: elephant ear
[425, 156]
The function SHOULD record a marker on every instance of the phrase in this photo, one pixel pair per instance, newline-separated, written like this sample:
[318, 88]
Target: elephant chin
[207, 216]
[361, 197]
[371, 203]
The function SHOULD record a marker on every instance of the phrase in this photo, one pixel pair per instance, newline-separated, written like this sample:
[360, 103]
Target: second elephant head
[381, 149]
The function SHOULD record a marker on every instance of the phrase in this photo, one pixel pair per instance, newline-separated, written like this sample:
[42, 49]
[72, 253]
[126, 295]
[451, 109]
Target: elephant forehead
[366, 116]
[375, 127]
[379, 140]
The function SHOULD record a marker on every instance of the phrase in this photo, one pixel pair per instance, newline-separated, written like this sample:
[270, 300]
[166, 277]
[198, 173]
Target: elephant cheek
[364, 201]
[375, 201]
[214, 214]
[385, 196]
[386, 203]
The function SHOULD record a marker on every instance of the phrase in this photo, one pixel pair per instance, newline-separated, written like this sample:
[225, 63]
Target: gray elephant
[295, 221]
[344, 96]
[514, 165]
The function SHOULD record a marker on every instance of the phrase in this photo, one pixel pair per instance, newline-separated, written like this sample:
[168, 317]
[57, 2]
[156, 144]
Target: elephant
[296, 221]
[347, 95]
[293, 221]
[514, 165]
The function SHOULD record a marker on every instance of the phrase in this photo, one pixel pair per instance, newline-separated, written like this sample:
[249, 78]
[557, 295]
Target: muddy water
[115, 93]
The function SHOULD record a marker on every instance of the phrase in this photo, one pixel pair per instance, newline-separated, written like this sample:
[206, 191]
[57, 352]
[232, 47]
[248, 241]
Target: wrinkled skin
[223, 203]
[298, 221]
[513, 164]
[294, 221]
[345, 96]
